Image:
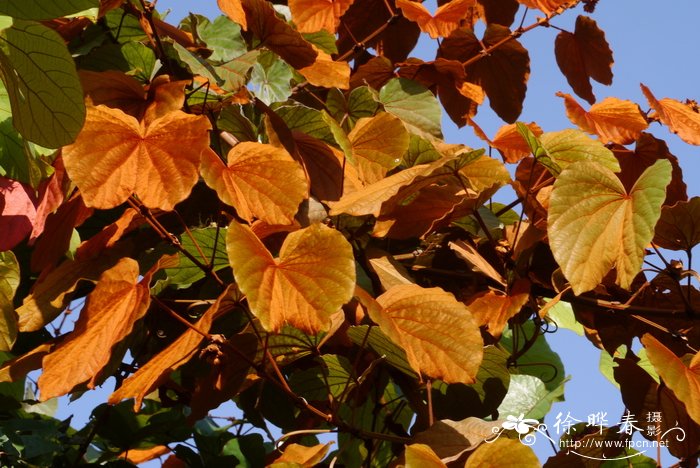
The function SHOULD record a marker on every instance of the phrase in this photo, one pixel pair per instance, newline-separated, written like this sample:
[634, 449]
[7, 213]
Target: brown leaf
[375, 73]
[495, 308]
[314, 15]
[613, 120]
[324, 165]
[583, 55]
[450, 439]
[260, 181]
[114, 89]
[678, 117]
[51, 195]
[447, 18]
[157, 370]
[679, 226]
[108, 316]
[115, 156]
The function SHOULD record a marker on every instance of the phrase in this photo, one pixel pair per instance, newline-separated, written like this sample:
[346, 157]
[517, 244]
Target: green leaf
[306, 120]
[340, 136]
[14, 162]
[233, 121]
[43, 85]
[382, 346]
[359, 103]
[570, 146]
[198, 65]
[420, 151]
[334, 377]
[235, 73]
[595, 225]
[212, 250]
[323, 40]
[140, 59]
[9, 281]
[414, 104]
[563, 315]
[271, 79]
[528, 395]
[223, 38]
[43, 9]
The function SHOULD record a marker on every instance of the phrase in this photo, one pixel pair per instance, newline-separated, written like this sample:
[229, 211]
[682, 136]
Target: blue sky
[649, 41]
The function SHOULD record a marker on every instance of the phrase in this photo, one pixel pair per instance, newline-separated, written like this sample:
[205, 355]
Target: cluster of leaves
[260, 208]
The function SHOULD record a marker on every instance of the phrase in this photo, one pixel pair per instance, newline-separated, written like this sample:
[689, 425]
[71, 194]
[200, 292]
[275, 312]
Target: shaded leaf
[413, 104]
[208, 245]
[446, 19]
[678, 227]
[438, 333]
[328, 382]
[260, 181]
[595, 224]
[503, 452]
[115, 156]
[372, 337]
[313, 277]
[271, 79]
[612, 119]
[17, 212]
[678, 117]
[582, 55]
[450, 439]
[44, 89]
[9, 281]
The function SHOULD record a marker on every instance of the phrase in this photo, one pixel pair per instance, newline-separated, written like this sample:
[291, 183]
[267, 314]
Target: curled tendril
[679, 437]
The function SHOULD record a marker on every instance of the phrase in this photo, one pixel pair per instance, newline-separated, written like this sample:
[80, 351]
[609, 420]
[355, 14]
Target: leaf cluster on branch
[261, 208]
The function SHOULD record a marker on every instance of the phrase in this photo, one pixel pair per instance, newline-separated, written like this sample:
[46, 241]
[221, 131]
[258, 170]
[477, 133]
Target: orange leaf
[378, 144]
[683, 380]
[583, 55]
[115, 156]
[302, 456]
[234, 10]
[421, 455]
[494, 308]
[474, 258]
[326, 72]
[312, 278]
[17, 368]
[511, 144]
[108, 316]
[314, 15]
[546, 6]
[157, 370]
[678, 117]
[446, 19]
[261, 181]
[613, 120]
[438, 333]
[137, 456]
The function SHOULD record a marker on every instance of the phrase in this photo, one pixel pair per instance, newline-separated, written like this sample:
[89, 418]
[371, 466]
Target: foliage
[260, 208]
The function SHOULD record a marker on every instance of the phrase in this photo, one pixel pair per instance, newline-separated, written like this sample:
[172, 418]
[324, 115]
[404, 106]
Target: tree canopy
[261, 208]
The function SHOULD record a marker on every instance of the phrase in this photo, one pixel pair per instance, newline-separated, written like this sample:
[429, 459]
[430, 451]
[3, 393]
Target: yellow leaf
[326, 72]
[313, 277]
[314, 15]
[683, 380]
[378, 145]
[613, 120]
[109, 314]
[446, 19]
[422, 456]
[115, 156]
[157, 370]
[503, 452]
[261, 181]
[303, 456]
[678, 117]
[438, 333]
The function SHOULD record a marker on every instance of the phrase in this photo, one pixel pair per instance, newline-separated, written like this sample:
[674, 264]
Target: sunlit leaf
[260, 181]
[582, 55]
[570, 146]
[510, 143]
[313, 15]
[503, 452]
[44, 89]
[421, 455]
[302, 456]
[468, 253]
[439, 334]
[378, 145]
[612, 119]
[678, 117]
[9, 281]
[494, 308]
[446, 19]
[271, 79]
[39, 10]
[390, 272]
[678, 228]
[17, 212]
[682, 379]
[450, 439]
[546, 6]
[313, 276]
[594, 224]
[108, 316]
[115, 156]
[413, 104]
[327, 72]
[528, 395]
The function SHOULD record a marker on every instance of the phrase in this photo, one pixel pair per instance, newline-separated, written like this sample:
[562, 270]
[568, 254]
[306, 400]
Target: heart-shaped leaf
[594, 224]
[446, 19]
[313, 276]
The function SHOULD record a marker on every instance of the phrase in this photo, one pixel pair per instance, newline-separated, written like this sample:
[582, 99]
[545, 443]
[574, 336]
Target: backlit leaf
[115, 156]
[570, 146]
[313, 276]
[9, 281]
[678, 117]
[17, 212]
[439, 334]
[40, 10]
[511, 144]
[378, 145]
[413, 104]
[503, 452]
[446, 18]
[422, 456]
[208, 245]
[594, 224]
[582, 55]
[546, 6]
[612, 119]
[528, 395]
[678, 228]
[495, 308]
[327, 72]
[260, 181]
[302, 456]
[109, 314]
[44, 89]
[158, 368]
[683, 380]
[314, 15]
[469, 254]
